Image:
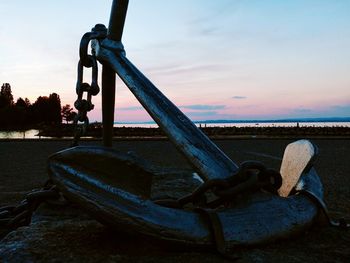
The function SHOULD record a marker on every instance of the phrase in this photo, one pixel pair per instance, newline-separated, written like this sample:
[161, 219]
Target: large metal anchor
[115, 187]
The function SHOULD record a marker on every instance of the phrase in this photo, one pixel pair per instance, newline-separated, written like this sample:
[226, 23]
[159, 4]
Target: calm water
[32, 134]
[28, 134]
[257, 124]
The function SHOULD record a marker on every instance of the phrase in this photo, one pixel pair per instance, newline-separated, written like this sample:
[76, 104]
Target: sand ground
[23, 167]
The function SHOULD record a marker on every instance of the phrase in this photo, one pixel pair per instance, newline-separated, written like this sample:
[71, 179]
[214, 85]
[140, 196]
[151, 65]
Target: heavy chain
[250, 177]
[84, 105]
[12, 217]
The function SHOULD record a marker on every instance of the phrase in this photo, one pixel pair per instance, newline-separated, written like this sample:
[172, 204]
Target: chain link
[84, 105]
[250, 177]
[12, 217]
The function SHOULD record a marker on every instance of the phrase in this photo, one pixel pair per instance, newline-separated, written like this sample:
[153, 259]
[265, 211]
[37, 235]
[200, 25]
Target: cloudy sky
[222, 59]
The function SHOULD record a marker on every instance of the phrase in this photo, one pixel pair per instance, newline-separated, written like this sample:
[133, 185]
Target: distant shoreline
[66, 131]
[211, 123]
[214, 132]
[294, 120]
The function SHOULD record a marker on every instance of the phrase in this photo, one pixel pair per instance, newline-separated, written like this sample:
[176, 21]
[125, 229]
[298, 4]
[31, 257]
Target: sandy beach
[23, 167]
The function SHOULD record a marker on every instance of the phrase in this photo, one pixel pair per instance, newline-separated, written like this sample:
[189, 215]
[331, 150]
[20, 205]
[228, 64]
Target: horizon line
[313, 119]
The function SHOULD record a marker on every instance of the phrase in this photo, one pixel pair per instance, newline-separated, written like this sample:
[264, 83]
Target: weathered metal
[298, 158]
[114, 187]
[208, 160]
[117, 19]
[303, 187]
[108, 103]
[99, 31]
[250, 177]
[99, 180]
[84, 105]
[115, 31]
[12, 217]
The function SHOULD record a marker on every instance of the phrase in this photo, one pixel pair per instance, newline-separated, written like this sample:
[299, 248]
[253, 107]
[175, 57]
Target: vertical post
[108, 103]
[117, 19]
[115, 31]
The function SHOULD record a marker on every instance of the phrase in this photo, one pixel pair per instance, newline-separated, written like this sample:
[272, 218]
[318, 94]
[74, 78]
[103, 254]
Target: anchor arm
[201, 152]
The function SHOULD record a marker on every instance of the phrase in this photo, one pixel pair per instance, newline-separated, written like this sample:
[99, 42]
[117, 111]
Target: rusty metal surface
[115, 202]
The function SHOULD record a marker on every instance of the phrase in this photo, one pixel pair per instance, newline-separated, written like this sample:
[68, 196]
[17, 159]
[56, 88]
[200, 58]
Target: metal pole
[117, 19]
[108, 103]
[115, 31]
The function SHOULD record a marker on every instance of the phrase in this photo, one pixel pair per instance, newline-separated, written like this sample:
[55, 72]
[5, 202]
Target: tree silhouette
[47, 109]
[23, 114]
[55, 108]
[6, 97]
[26, 100]
[20, 103]
[67, 113]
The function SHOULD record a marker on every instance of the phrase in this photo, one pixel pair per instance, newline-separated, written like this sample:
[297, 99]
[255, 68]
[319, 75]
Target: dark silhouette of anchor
[114, 187]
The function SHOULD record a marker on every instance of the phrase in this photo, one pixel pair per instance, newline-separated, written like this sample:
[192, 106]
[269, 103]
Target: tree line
[46, 110]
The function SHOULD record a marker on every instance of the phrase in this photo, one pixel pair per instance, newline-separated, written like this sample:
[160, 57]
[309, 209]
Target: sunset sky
[222, 59]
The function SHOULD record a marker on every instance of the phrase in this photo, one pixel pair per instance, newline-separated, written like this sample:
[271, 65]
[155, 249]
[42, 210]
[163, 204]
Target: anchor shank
[209, 161]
